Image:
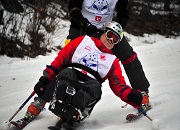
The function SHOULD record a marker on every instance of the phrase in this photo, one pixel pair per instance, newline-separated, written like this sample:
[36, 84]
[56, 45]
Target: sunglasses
[110, 35]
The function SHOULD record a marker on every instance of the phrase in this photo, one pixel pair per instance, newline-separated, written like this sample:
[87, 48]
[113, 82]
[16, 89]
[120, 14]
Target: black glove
[87, 27]
[98, 33]
[135, 97]
[82, 22]
[40, 86]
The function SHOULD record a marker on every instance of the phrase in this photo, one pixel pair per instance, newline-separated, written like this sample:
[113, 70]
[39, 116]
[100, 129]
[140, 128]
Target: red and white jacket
[91, 52]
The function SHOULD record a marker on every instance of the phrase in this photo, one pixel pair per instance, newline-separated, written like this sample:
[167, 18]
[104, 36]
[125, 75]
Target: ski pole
[144, 113]
[30, 96]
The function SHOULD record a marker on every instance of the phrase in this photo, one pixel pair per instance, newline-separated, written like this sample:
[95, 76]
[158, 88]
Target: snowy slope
[160, 58]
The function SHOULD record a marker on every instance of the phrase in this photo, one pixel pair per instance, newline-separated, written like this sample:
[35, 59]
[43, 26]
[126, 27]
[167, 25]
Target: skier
[79, 71]
[88, 16]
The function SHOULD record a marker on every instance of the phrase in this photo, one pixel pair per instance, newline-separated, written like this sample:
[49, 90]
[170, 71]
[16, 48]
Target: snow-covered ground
[160, 58]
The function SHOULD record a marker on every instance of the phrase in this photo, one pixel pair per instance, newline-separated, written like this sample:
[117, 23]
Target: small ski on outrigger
[138, 115]
[23, 122]
[20, 124]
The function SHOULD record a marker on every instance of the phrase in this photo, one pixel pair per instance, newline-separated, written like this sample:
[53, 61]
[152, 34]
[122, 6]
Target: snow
[160, 58]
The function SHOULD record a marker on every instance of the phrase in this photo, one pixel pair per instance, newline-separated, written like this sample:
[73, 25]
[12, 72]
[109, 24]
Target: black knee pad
[81, 99]
[69, 95]
[94, 89]
[61, 92]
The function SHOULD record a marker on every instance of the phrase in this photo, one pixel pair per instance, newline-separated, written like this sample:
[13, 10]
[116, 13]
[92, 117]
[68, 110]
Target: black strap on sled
[72, 82]
[89, 70]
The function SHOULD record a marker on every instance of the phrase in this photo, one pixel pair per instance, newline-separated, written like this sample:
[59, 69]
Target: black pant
[133, 69]
[91, 87]
[70, 95]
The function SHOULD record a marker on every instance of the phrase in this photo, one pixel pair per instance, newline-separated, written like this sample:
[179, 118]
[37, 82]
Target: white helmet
[115, 27]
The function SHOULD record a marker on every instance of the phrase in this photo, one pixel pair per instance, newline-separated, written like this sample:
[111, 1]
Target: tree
[29, 31]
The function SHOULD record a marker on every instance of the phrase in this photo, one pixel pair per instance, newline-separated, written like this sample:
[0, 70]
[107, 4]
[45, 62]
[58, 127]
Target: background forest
[27, 26]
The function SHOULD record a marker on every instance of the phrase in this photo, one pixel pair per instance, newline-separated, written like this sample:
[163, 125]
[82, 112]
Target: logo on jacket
[100, 6]
[90, 60]
[88, 48]
[102, 57]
